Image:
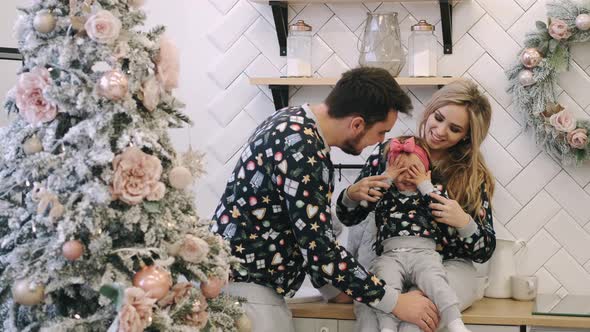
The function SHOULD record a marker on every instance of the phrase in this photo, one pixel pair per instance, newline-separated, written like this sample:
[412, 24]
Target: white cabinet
[315, 325]
[346, 325]
[493, 328]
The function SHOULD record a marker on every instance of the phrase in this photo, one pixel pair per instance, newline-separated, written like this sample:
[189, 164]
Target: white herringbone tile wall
[225, 42]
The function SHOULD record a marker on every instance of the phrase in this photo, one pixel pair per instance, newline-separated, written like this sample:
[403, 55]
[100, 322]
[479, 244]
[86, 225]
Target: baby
[408, 235]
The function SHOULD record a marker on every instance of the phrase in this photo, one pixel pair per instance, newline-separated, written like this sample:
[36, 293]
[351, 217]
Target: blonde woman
[454, 125]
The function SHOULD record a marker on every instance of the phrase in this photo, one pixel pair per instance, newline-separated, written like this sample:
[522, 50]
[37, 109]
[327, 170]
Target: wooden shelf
[406, 81]
[279, 86]
[281, 18]
[7, 53]
[484, 312]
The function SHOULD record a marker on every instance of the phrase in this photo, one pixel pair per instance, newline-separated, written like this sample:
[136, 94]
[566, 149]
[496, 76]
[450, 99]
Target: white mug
[481, 283]
[524, 288]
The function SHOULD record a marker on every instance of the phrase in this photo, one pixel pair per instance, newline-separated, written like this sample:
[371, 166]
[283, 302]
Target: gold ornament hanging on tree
[44, 22]
[27, 293]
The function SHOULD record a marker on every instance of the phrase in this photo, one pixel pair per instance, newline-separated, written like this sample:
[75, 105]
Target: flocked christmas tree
[97, 230]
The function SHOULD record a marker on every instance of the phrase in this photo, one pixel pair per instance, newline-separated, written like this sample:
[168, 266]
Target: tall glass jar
[381, 43]
[299, 50]
[422, 50]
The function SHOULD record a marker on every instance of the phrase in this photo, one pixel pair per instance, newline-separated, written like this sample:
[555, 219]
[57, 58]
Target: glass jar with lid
[299, 50]
[422, 55]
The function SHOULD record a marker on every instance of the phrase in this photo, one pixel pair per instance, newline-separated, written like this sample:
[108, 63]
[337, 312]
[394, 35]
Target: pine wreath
[532, 81]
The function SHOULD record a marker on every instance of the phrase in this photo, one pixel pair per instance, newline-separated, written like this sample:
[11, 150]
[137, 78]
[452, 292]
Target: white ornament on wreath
[532, 81]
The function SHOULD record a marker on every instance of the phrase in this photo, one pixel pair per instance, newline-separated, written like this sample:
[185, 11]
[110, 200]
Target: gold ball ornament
[212, 288]
[72, 250]
[180, 177]
[44, 22]
[525, 77]
[27, 293]
[583, 22]
[113, 85]
[154, 280]
[244, 324]
[32, 145]
[530, 57]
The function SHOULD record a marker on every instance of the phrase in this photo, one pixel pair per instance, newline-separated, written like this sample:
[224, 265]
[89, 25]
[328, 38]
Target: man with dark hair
[275, 210]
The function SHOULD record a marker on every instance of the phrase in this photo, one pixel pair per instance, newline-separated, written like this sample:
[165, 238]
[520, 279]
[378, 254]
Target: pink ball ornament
[530, 57]
[27, 293]
[113, 85]
[583, 22]
[212, 288]
[72, 250]
[525, 77]
[154, 280]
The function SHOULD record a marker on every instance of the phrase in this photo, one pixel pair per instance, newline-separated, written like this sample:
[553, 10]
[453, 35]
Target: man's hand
[365, 189]
[413, 307]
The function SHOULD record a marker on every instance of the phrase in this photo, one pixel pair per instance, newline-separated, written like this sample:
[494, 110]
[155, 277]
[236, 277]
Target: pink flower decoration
[558, 29]
[199, 315]
[178, 293]
[129, 320]
[578, 138]
[136, 313]
[167, 64]
[150, 94]
[193, 249]
[136, 177]
[103, 27]
[32, 104]
[563, 121]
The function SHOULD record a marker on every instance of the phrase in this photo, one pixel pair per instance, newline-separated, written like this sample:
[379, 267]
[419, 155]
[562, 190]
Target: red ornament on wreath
[530, 57]
[154, 280]
[525, 77]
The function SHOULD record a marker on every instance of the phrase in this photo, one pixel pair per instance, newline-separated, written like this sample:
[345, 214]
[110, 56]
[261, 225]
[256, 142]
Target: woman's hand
[418, 174]
[366, 189]
[448, 211]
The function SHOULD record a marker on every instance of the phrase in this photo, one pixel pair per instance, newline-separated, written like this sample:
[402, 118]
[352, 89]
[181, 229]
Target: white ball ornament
[32, 145]
[180, 177]
[27, 293]
[525, 77]
[583, 22]
[44, 22]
